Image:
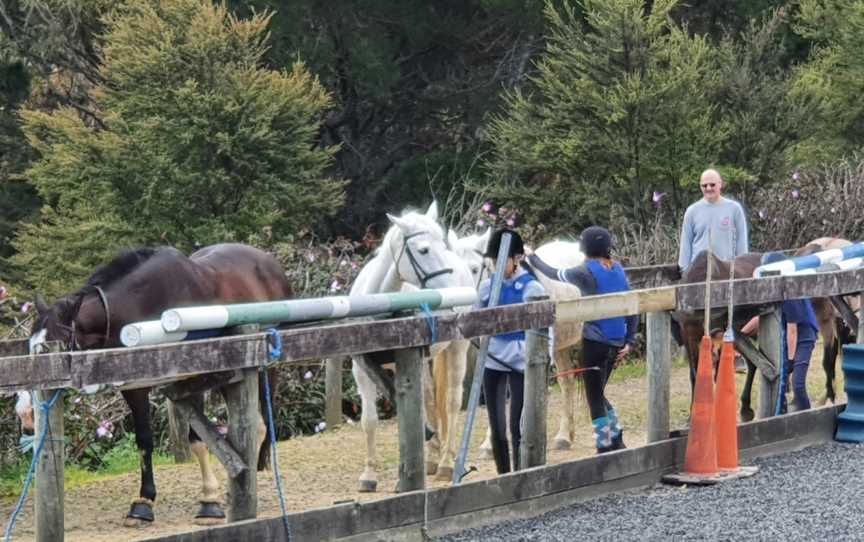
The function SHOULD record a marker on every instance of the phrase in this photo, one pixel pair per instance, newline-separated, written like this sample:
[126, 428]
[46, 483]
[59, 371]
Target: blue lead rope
[37, 452]
[783, 354]
[274, 341]
[431, 322]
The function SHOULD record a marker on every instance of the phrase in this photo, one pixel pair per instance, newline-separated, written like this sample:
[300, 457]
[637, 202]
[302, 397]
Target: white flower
[307, 375]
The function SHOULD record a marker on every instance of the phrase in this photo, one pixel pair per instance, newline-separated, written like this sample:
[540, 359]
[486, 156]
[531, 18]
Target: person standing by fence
[604, 342]
[506, 358]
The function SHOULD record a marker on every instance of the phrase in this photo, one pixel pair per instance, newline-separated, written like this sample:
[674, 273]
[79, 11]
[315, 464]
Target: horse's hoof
[431, 468]
[140, 514]
[368, 486]
[561, 444]
[747, 415]
[444, 474]
[210, 513]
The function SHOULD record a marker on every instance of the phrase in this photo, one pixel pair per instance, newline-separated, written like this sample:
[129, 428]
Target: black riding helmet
[516, 245]
[596, 242]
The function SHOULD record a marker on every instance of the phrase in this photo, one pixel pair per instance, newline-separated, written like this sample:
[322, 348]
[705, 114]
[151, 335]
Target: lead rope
[433, 338]
[37, 452]
[274, 344]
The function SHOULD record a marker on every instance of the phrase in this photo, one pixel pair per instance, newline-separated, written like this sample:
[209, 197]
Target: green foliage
[197, 144]
[620, 109]
[831, 82]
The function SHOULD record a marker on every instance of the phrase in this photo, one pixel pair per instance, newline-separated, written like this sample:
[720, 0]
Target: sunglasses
[709, 185]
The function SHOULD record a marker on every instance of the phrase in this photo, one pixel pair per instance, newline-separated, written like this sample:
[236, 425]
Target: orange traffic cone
[724, 413]
[701, 456]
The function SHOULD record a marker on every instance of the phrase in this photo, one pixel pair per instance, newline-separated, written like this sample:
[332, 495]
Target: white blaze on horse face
[24, 401]
[37, 341]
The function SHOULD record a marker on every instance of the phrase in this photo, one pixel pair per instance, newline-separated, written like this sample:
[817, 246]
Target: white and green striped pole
[302, 310]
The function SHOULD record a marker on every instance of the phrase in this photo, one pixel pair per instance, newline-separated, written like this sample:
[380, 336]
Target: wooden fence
[406, 338]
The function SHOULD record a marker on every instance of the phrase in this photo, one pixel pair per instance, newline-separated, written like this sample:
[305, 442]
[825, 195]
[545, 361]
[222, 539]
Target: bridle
[73, 344]
[421, 273]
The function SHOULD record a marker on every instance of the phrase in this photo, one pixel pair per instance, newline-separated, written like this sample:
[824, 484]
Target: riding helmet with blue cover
[596, 242]
[516, 245]
[772, 257]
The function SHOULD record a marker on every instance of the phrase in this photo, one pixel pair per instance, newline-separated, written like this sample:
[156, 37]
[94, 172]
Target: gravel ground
[812, 494]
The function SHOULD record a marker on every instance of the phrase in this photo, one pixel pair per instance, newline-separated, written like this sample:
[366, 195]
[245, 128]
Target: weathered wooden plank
[243, 416]
[232, 461]
[43, 371]
[533, 448]
[333, 392]
[769, 344]
[610, 305]
[771, 289]
[659, 346]
[409, 401]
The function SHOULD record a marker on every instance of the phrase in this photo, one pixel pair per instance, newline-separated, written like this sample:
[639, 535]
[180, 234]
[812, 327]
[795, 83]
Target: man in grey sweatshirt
[723, 217]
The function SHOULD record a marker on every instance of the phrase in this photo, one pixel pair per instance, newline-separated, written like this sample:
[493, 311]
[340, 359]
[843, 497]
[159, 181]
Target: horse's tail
[264, 451]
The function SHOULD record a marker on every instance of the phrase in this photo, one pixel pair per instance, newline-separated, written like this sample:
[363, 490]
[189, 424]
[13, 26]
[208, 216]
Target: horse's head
[416, 242]
[470, 249]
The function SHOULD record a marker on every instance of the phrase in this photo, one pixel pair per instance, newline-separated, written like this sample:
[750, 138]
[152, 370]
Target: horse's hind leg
[433, 445]
[830, 348]
[563, 440]
[141, 511]
[210, 512]
[450, 398]
[369, 422]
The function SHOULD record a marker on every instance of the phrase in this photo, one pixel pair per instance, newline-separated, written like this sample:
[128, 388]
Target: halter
[418, 269]
[73, 341]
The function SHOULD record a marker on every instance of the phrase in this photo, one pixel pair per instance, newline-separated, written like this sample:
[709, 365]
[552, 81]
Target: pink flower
[310, 257]
[105, 429]
[796, 176]
[796, 193]
[762, 214]
[2, 292]
[25, 308]
[222, 429]
[307, 375]
[335, 286]
[481, 222]
[487, 207]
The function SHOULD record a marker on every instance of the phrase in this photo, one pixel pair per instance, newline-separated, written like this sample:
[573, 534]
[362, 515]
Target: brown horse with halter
[137, 286]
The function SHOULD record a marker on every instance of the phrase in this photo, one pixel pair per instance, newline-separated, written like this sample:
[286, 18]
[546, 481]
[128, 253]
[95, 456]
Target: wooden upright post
[49, 471]
[178, 435]
[243, 418]
[333, 392]
[769, 344]
[409, 405]
[533, 449]
[659, 346]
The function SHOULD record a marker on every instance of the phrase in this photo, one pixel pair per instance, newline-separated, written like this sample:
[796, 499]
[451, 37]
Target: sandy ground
[322, 469]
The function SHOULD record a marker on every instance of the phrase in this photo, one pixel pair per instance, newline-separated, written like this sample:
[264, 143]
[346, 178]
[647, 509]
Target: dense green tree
[832, 81]
[620, 110]
[196, 142]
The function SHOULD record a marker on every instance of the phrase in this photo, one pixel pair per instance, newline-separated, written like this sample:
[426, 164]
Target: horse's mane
[120, 266]
[698, 270]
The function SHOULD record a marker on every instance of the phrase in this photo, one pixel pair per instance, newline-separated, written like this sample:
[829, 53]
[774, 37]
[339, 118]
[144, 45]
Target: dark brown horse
[692, 323]
[138, 286]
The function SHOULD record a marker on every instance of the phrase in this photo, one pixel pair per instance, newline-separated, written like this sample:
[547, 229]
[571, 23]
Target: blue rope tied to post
[37, 452]
[783, 354]
[431, 322]
[274, 341]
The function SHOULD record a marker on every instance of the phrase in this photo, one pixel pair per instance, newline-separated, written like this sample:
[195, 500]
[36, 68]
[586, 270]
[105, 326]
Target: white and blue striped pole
[851, 255]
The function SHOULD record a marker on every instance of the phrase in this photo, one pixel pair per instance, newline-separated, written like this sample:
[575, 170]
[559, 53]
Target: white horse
[413, 252]
[565, 336]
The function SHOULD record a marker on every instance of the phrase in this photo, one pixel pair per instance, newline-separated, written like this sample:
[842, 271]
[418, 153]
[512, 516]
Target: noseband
[421, 273]
[73, 340]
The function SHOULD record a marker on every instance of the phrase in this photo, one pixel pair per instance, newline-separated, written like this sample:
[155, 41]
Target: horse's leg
[747, 413]
[567, 425]
[263, 434]
[369, 422]
[210, 512]
[433, 445]
[141, 511]
[830, 348]
[454, 369]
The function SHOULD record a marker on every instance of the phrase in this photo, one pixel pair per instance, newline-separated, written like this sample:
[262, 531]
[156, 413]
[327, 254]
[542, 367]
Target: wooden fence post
[333, 392]
[243, 417]
[50, 471]
[178, 435]
[409, 405]
[769, 344]
[659, 353]
[533, 448]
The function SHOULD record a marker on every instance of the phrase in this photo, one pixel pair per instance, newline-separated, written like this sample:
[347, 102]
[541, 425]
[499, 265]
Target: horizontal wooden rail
[180, 360]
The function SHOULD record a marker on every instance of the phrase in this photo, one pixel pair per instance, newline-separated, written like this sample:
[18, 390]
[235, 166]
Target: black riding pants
[602, 356]
[495, 386]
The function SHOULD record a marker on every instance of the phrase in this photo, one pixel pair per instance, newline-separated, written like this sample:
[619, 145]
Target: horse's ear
[452, 239]
[483, 241]
[400, 222]
[41, 306]
[432, 211]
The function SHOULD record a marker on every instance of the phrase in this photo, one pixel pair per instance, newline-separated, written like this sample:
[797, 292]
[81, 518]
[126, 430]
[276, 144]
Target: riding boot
[602, 434]
[501, 454]
[616, 431]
